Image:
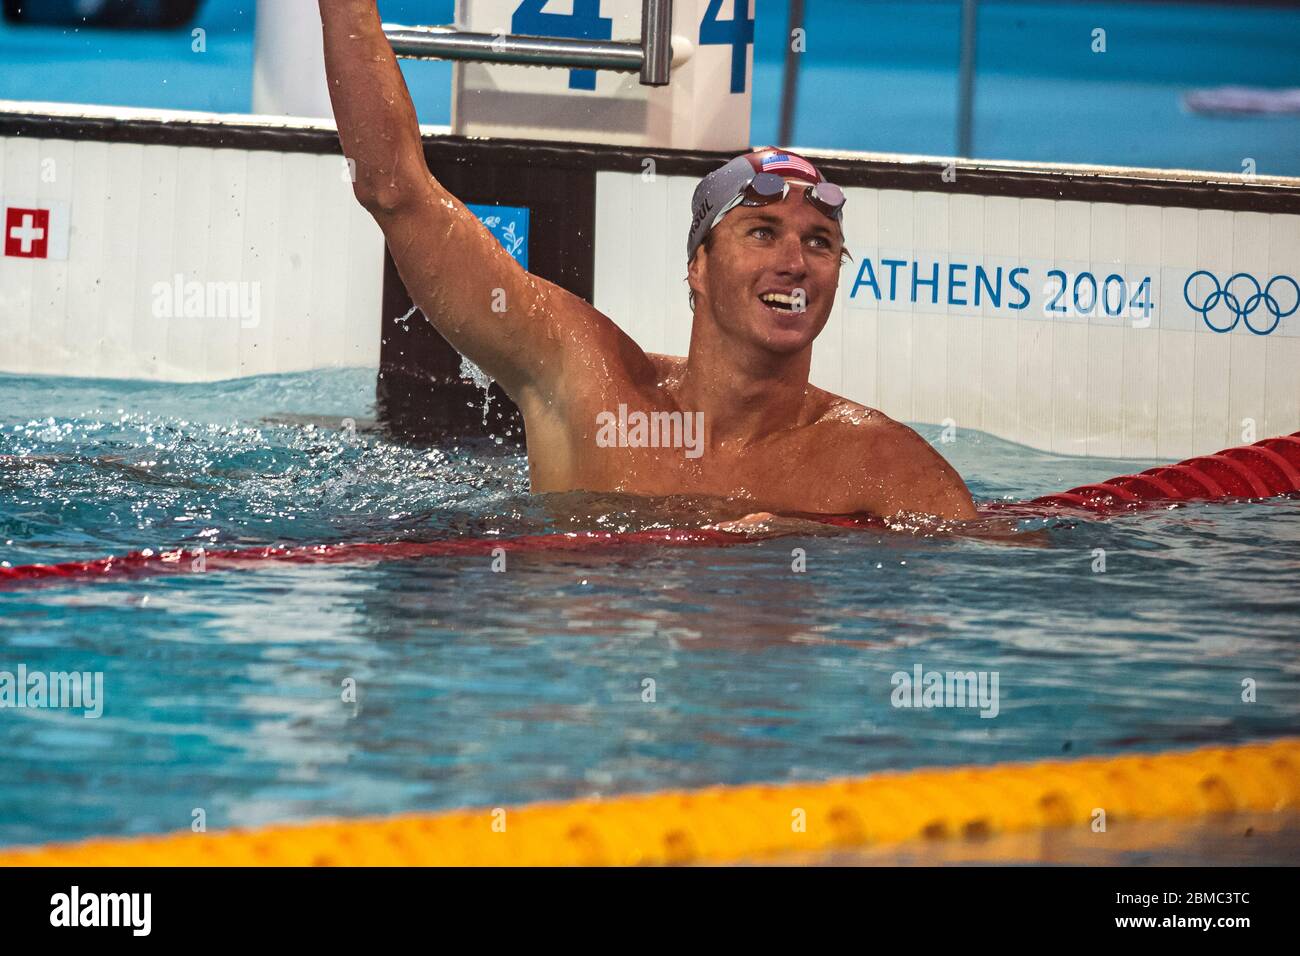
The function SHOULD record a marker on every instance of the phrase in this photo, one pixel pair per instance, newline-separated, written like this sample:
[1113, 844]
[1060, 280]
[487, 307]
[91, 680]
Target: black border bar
[968, 906]
[1207, 190]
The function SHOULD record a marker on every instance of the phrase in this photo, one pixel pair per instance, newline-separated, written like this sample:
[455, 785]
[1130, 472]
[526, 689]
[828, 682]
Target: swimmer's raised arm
[472, 290]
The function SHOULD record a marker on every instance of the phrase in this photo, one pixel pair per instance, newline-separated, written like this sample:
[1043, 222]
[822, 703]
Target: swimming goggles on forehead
[768, 188]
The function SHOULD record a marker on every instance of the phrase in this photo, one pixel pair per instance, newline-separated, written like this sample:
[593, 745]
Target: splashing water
[472, 373]
[468, 370]
[403, 320]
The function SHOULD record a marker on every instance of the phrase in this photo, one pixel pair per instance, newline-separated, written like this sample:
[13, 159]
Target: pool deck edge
[728, 824]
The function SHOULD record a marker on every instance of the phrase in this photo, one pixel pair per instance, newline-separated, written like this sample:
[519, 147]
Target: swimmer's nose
[792, 259]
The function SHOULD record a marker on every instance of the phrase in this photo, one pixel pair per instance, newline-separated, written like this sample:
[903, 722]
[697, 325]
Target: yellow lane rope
[730, 824]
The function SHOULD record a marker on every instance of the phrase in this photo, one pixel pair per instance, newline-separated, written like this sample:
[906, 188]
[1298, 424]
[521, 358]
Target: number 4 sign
[585, 23]
[706, 106]
[738, 33]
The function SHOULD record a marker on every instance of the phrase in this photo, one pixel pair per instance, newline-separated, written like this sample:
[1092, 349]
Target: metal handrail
[652, 57]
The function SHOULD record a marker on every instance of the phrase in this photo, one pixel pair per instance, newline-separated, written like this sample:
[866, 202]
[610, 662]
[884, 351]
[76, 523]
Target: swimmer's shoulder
[840, 419]
[867, 430]
[892, 462]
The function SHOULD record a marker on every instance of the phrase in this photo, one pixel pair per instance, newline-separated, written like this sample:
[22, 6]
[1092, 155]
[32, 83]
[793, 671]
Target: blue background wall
[876, 76]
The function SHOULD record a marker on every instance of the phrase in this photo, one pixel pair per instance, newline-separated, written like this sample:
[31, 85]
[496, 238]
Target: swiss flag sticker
[36, 230]
[27, 233]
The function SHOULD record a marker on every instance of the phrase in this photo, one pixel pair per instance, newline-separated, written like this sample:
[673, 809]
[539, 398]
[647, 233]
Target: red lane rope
[1265, 469]
[166, 562]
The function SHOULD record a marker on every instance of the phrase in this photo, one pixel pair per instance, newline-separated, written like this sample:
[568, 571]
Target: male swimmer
[764, 256]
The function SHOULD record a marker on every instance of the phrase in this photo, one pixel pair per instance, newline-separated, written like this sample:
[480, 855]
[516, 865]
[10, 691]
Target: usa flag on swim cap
[788, 164]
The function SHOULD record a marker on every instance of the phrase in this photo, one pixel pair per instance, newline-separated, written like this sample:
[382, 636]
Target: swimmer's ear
[695, 268]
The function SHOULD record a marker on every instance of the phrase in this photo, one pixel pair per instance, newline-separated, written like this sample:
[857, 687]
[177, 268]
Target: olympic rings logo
[1242, 300]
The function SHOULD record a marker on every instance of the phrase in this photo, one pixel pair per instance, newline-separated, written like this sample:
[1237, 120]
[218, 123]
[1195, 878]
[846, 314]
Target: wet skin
[772, 441]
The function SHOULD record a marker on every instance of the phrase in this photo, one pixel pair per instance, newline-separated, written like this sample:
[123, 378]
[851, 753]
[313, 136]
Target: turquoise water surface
[223, 691]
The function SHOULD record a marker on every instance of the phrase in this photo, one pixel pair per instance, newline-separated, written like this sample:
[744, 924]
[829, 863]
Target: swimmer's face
[784, 246]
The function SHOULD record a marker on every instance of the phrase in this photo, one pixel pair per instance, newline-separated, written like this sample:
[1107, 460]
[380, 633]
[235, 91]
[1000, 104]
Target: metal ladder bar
[652, 57]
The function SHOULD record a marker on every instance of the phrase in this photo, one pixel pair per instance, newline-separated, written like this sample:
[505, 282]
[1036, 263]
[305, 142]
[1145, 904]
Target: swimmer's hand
[990, 528]
[765, 523]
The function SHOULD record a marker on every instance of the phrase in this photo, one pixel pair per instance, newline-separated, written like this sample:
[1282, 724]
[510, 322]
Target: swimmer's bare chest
[603, 437]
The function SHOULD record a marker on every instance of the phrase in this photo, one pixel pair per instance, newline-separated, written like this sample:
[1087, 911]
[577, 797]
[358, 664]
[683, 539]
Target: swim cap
[725, 183]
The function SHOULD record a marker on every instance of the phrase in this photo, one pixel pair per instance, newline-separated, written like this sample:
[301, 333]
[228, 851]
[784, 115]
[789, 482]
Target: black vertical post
[966, 80]
[790, 85]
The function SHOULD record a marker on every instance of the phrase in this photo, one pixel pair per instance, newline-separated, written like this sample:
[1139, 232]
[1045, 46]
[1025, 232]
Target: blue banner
[509, 224]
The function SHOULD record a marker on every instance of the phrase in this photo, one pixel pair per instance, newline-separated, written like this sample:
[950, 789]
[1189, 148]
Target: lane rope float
[1266, 469]
[730, 824]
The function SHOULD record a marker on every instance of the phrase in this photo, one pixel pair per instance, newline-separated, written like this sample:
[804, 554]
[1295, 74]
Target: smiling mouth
[781, 303]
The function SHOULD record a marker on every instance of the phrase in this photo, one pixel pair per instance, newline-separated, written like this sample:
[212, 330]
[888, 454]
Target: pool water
[223, 691]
